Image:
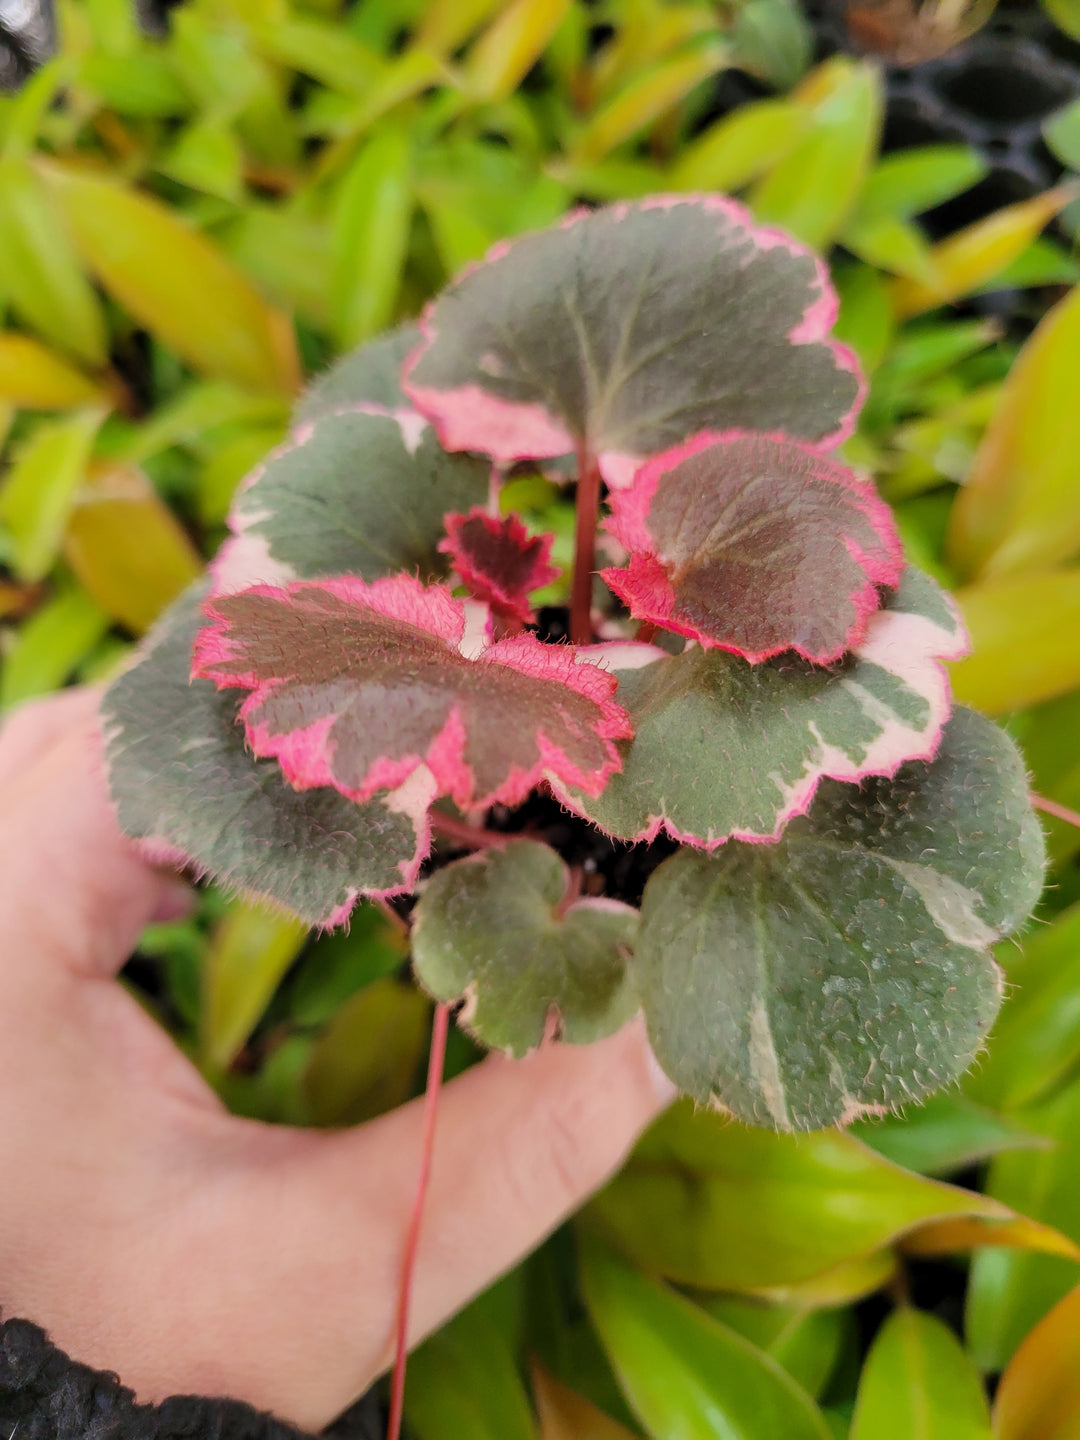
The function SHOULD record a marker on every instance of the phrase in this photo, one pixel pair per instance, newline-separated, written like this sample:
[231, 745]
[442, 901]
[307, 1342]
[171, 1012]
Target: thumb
[322, 1218]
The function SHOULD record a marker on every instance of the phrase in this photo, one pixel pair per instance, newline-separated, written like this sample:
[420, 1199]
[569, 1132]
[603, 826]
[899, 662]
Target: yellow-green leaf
[114, 25]
[1026, 636]
[249, 954]
[39, 269]
[1020, 508]
[201, 408]
[738, 148]
[565, 1415]
[447, 23]
[1010, 1290]
[370, 1055]
[288, 254]
[371, 236]
[510, 46]
[1036, 1044]
[866, 321]
[685, 1374]
[126, 546]
[890, 244]
[918, 1384]
[947, 1237]
[800, 1205]
[145, 86]
[49, 646]
[408, 75]
[207, 156]
[465, 1382]
[26, 108]
[227, 464]
[1039, 1394]
[849, 1281]
[813, 189]
[37, 378]
[1066, 15]
[40, 488]
[971, 257]
[909, 182]
[326, 51]
[647, 97]
[177, 283]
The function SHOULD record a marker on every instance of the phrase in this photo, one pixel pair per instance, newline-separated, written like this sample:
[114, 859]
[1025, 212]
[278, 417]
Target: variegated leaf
[846, 968]
[625, 331]
[756, 546]
[358, 686]
[723, 748]
[502, 930]
[184, 784]
[356, 492]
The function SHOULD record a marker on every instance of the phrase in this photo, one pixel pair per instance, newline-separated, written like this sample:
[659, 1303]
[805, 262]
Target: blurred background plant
[200, 208]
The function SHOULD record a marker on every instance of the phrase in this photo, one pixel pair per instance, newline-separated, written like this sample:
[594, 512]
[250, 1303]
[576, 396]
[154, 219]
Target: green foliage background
[188, 227]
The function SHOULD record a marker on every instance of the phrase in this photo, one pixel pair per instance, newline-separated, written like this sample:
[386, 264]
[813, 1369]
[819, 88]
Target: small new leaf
[625, 331]
[183, 782]
[498, 561]
[496, 928]
[724, 748]
[847, 968]
[357, 686]
[754, 545]
[359, 492]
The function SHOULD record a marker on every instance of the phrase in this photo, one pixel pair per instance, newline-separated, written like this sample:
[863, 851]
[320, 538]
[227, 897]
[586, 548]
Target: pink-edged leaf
[627, 330]
[723, 749]
[357, 686]
[756, 546]
[498, 560]
[185, 786]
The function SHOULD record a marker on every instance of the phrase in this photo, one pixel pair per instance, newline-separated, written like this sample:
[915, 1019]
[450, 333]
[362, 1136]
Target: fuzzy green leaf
[370, 375]
[359, 492]
[726, 748]
[847, 967]
[493, 928]
[183, 781]
[629, 330]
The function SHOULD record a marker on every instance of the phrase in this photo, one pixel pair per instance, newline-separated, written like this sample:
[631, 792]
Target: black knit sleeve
[44, 1395]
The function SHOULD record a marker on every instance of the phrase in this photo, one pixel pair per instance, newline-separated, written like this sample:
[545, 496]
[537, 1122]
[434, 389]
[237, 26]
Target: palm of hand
[191, 1251]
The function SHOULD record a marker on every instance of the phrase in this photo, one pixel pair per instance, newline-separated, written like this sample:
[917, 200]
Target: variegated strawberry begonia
[849, 851]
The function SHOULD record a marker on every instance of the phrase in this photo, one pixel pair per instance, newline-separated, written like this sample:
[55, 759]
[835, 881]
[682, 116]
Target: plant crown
[755, 712]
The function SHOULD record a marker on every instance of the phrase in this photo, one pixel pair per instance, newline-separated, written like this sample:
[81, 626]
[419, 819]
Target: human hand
[154, 1234]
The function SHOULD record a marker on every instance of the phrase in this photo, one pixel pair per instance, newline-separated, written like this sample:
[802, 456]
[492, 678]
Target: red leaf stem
[588, 509]
[436, 1062]
[1059, 812]
[471, 837]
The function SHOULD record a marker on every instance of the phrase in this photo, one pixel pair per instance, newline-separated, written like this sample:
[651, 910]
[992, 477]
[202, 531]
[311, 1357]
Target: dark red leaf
[498, 561]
